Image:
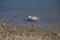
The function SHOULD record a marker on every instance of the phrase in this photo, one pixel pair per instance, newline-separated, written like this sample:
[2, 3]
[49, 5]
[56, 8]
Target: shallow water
[14, 11]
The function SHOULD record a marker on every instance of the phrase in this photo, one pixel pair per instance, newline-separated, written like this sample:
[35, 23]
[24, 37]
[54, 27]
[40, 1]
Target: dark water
[13, 11]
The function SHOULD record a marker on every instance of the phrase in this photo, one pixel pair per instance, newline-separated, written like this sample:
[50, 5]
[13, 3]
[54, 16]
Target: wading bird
[33, 17]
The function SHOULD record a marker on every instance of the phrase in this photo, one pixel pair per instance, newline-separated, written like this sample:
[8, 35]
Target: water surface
[13, 11]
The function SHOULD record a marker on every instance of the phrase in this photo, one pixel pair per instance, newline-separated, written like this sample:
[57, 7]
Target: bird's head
[29, 16]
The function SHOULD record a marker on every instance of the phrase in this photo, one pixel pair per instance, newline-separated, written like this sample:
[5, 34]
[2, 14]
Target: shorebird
[33, 17]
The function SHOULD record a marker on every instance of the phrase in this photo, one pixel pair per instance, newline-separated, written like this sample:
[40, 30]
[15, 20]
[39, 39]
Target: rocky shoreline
[9, 32]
